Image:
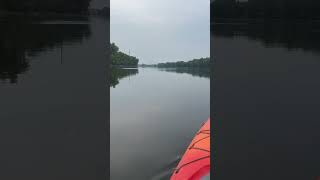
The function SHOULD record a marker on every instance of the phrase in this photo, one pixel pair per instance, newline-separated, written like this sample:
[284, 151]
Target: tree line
[199, 63]
[58, 6]
[267, 9]
[122, 59]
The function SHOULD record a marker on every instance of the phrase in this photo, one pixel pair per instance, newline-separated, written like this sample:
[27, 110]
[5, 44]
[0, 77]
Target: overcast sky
[161, 30]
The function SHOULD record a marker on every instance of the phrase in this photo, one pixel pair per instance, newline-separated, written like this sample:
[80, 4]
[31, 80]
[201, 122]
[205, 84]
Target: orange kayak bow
[195, 163]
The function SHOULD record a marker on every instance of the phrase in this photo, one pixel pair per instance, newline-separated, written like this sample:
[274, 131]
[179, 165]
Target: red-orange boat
[195, 163]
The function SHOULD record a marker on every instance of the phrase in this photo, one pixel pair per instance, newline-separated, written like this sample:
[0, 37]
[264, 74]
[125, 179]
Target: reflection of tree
[286, 34]
[199, 72]
[120, 73]
[265, 9]
[12, 63]
[19, 42]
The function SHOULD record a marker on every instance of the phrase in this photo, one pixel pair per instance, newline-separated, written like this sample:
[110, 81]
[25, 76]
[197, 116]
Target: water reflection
[21, 40]
[154, 114]
[197, 72]
[120, 73]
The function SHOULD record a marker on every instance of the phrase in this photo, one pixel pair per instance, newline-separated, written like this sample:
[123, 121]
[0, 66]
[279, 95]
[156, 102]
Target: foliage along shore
[121, 59]
[195, 63]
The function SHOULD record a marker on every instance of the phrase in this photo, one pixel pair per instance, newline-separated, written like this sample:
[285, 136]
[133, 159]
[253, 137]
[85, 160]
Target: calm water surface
[53, 99]
[154, 115]
[267, 101]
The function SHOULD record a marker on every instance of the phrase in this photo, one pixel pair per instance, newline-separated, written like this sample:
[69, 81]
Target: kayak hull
[195, 162]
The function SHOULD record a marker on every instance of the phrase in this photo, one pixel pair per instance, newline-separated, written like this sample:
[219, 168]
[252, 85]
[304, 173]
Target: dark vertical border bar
[108, 94]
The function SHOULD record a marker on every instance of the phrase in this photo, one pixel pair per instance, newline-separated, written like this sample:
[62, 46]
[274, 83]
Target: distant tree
[198, 63]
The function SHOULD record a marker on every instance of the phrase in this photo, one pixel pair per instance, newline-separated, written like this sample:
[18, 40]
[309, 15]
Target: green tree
[119, 58]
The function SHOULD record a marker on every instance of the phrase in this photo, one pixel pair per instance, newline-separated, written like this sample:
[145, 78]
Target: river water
[154, 116]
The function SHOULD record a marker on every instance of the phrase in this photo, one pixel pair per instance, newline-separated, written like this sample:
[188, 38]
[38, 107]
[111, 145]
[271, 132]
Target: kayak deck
[195, 162]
